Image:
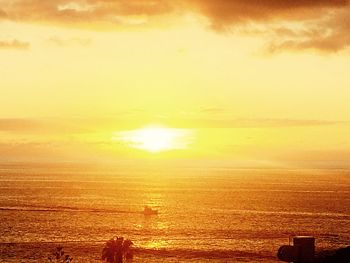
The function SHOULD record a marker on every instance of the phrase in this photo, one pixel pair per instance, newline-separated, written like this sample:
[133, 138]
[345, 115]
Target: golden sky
[260, 82]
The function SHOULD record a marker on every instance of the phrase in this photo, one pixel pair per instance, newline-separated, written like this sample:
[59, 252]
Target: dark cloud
[225, 12]
[319, 24]
[331, 34]
[220, 12]
[14, 44]
[313, 24]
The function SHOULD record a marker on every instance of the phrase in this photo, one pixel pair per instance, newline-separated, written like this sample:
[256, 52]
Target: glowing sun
[155, 139]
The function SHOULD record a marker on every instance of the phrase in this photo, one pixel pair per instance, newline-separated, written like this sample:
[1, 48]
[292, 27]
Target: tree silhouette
[116, 250]
[59, 256]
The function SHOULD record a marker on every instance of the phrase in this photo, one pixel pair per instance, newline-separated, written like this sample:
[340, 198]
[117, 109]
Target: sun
[155, 139]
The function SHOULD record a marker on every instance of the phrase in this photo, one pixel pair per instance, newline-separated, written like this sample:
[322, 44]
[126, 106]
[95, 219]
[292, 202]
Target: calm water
[205, 215]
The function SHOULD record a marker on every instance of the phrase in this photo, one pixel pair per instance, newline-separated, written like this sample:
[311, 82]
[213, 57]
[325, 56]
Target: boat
[148, 211]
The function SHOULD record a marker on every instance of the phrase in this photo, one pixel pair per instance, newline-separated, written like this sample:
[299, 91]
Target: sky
[229, 82]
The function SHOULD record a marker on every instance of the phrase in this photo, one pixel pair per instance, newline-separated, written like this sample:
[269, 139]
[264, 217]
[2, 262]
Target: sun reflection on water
[156, 244]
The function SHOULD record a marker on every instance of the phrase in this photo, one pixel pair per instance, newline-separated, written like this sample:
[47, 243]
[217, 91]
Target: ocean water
[205, 215]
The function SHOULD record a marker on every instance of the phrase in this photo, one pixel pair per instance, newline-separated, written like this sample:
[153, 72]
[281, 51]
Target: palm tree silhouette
[59, 256]
[116, 249]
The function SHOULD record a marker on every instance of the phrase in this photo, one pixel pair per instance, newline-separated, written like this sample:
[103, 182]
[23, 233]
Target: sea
[215, 214]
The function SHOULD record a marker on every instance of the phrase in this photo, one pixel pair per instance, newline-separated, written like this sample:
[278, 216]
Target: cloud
[2, 14]
[245, 123]
[14, 44]
[44, 126]
[330, 34]
[212, 110]
[76, 41]
[95, 14]
[302, 24]
[78, 126]
[223, 12]
[262, 123]
[28, 150]
[17, 124]
[312, 24]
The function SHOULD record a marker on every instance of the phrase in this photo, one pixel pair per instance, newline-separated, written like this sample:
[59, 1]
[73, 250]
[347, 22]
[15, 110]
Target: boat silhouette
[148, 211]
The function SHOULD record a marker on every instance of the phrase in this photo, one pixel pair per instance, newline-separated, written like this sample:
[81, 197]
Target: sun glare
[155, 139]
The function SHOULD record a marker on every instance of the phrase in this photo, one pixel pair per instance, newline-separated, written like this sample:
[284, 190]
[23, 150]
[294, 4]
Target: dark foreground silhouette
[59, 256]
[341, 255]
[303, 251]
[117, 250]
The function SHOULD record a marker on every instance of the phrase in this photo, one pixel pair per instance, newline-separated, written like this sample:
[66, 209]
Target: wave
[180, 253]
[205, 254]
[35, 208]
[288, 213]
[30, 208]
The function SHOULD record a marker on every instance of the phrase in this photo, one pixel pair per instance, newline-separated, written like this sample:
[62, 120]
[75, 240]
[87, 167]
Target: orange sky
[253, 82]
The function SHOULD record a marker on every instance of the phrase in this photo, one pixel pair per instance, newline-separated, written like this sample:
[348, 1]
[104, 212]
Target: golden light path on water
[155, 139]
